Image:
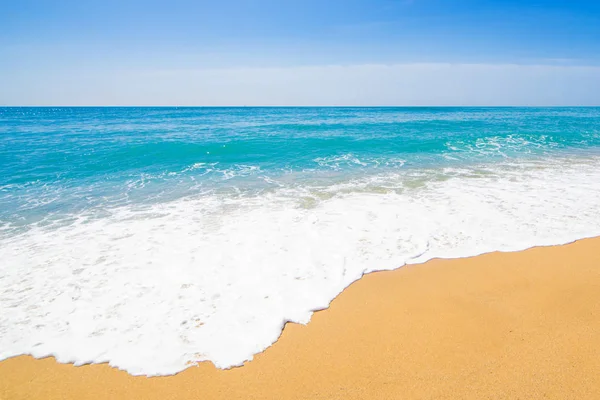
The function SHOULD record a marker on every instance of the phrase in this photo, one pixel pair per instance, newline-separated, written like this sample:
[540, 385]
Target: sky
[328, 52]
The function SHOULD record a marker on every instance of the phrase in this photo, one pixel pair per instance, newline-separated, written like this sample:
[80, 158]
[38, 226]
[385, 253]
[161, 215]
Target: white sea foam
[154, 290]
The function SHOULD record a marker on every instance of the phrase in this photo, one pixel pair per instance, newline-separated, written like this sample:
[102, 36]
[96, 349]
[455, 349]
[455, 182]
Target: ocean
[156, 238]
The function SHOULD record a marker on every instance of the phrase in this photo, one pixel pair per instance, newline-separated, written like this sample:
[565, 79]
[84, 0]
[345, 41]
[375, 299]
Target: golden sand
[520, 325]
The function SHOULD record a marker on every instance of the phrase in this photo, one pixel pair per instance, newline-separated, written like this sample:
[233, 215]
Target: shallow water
[154, 238]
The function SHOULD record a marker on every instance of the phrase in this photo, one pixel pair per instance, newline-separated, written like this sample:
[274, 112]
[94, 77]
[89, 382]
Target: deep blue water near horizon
[156, 238]
[56, 160]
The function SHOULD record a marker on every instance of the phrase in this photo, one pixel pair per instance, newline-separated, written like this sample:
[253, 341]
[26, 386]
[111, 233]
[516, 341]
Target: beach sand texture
[522, 325]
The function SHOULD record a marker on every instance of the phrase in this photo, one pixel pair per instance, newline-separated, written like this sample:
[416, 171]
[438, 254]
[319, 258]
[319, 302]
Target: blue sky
[50, 50]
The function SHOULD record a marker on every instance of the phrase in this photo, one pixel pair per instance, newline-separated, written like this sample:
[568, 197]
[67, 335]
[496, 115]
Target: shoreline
[500, 325]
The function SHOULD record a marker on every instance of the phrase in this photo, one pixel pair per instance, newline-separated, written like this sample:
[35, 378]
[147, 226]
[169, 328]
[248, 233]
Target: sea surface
[156, 238]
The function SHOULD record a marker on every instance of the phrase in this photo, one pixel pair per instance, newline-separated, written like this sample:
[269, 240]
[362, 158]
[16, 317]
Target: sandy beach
[522, 325]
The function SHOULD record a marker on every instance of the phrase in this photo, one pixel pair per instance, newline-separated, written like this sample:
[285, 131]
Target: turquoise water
[155, 238]
[65, 160]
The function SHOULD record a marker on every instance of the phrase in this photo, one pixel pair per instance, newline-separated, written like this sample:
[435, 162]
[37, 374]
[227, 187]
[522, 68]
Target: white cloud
[400, 84]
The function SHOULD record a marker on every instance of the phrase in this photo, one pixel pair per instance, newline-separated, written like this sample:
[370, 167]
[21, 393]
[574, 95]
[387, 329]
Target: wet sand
[522, 325]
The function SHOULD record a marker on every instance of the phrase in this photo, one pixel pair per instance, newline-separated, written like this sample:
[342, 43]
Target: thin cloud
[362, 85]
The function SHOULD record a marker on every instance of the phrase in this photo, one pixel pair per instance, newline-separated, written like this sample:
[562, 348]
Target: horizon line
[301, 106]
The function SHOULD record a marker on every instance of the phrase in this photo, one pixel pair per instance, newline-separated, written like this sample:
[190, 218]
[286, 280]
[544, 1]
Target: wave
[155, 288]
